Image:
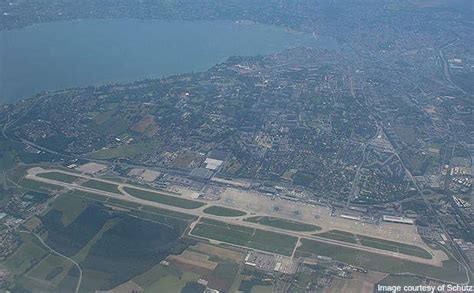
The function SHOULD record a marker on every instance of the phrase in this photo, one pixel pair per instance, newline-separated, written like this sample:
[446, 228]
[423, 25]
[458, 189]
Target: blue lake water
[90, 52]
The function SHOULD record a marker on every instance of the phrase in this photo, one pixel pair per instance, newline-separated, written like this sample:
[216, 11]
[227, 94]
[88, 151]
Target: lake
[91, 52]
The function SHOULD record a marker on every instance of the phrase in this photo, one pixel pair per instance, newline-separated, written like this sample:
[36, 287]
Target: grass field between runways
[245, 236]
[163, 199]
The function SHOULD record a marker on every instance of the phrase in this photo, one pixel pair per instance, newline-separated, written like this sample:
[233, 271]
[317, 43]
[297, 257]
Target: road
[79, 281]
[435, 261]
[464, 262]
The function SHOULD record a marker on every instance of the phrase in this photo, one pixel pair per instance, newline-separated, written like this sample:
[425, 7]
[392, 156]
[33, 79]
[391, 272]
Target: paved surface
[438, 256]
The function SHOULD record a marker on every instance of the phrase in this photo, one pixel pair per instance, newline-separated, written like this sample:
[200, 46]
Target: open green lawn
[394, 246]
[394, 280]
[70, 206]
[101, 185]
[52, 268]
[223, 212]
[451, 270]
[130, 247]
[84, 252]
[245, 236]
[111, 247]
[88, 195]
[68, 240]
[8, 153]
[172, 282]
[283, 224]
[7, 159]
[58, 176]
[168, 213]
[262, 289]
[136, 210]
[26, 256]
[377, 243]
[157, 272]
[38, 186]
[339, 235]
[124, 203]
[164, 199]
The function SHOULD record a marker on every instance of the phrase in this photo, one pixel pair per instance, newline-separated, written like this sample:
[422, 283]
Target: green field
[127, 151]
[101, 185]
[174, 278]
[52, 268]
[68, 240]
[394, 280]
[394, 246]
[221, 275]
[124, 203]
[168, 213]
[26, 256]
[165, 279]
[451, 270]
[129, 248]
[88, 195]
[58, 176]
[70, 206]
[376, 243]
[8, 154]
[32, 266]
[245, 236]
[7, 159]
[283, 224]
[111, 247]
[163, 199]
[339, 235]
[38, 186]
[77, 197]
[223, 212]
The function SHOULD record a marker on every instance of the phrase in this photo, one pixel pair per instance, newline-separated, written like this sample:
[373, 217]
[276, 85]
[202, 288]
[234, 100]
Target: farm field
[283, 224]
[360, 282]
[110, 246]
[26, 256]
[394, 280]
[252, 281]
[223, 212]
[36, 268]
[68, 240]
[70, 207]
[219, 266]
[129, 248]
[52, 269]
[245, 236]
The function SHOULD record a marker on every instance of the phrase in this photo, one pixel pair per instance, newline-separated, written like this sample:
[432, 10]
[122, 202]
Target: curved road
[61, 255]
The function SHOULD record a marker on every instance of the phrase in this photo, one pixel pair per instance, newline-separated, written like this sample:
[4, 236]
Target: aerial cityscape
[334, 156]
